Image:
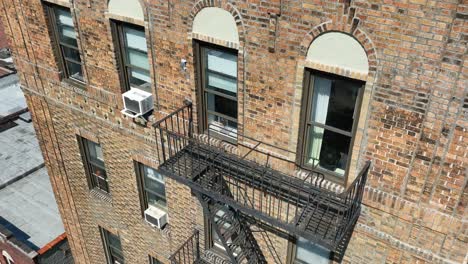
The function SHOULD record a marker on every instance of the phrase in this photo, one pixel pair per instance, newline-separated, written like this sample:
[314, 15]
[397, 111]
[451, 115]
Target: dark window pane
[156, 200]
[95, 151]
[114, 241]
[71, 54]
[74, 70]
[334, 101]
[328, 150]
[221, 105]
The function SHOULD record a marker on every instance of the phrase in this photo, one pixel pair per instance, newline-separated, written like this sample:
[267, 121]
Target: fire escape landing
[235, 191]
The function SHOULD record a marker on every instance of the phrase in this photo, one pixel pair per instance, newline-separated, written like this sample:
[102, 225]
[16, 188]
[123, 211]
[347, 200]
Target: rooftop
[27, 204]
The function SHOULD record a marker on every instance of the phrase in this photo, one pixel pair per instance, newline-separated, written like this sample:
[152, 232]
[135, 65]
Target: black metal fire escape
[233, 189]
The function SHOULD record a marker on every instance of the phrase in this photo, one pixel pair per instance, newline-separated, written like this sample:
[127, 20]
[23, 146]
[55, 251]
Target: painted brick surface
[414, 125]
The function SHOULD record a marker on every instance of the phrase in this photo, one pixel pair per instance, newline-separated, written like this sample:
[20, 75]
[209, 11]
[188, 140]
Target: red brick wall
[17, 255]
[3, 37]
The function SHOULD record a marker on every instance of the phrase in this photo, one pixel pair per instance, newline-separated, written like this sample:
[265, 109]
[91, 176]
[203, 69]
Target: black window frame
[112, 252]
[124, 66]
[305, 123]
[153, 260]
[94, 181]
[142, 190]
[59, 46]
[201, 83]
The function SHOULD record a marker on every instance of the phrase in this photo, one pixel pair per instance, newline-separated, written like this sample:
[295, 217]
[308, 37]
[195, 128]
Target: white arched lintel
[216, 23]
[335, 49]
[126, 8]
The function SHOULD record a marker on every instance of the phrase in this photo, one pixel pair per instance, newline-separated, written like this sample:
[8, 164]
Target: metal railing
[299, 206]
[189, 252]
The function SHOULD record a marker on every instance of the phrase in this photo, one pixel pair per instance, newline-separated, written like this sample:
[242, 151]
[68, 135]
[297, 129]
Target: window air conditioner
[137, 102]
[156, 217]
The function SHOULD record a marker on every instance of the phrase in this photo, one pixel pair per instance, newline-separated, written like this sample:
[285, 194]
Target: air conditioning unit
[156, 217]
[137, 102]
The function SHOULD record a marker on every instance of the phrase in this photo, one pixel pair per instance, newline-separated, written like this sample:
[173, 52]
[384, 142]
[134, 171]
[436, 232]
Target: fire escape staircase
[233, 189]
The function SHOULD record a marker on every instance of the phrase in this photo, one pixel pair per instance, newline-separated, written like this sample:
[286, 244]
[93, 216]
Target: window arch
[337, 49]
[126, 8]
[216, 23]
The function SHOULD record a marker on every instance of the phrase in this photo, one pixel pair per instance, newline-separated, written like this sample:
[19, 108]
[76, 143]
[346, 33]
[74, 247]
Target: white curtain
[322, 88]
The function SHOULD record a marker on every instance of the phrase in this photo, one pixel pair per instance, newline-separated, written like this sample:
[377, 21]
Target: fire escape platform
[320, 213]
[246, 191]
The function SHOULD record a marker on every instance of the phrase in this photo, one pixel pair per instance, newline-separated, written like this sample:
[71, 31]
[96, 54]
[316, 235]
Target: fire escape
[236, 192]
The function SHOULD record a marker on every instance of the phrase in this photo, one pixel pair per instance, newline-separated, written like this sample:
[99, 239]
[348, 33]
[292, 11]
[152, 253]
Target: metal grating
[300, 207]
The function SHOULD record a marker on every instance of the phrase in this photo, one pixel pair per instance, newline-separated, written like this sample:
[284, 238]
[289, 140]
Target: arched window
[331, 104]
[217, 72]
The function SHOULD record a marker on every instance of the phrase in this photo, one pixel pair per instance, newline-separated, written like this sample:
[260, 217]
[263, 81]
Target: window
[7, 258]
[152, 187]
[306, 252]
[331, 112]
[153, 260]
[214, 241]
[217, 77]
[64, 34]
[132, 55]
[93, 161]
[112, 247]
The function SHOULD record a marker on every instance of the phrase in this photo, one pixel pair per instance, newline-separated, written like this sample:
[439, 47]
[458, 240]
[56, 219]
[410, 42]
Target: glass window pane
[67, 35]
[334, 101]
[221, 83]
[140, 79]
[74, 70]
[64, 17]
[138, 59]
[135, 38]
[222, 125]
[114, 241]
[328, 150]
[154, 186]
[156, 200]
[307, 252]
[71, 54]
[221, 105]
[222, 62]
[95, 152]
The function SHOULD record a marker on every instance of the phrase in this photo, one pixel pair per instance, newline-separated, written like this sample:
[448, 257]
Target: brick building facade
[411, 124]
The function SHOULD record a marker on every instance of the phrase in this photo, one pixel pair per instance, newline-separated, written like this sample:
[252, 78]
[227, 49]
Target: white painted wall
[339, 50]
[126, 8]
[217, 23]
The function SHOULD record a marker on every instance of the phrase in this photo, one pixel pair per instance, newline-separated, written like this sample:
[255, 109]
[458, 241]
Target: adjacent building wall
[414, 128]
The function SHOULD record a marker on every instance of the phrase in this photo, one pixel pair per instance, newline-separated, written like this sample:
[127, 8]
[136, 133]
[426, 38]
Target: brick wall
[414, 125]
[3, 37]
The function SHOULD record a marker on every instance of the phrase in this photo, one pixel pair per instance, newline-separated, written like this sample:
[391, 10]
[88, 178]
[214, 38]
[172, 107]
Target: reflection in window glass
[330, 124]
[67, 41]
[220, 91]
[310, 253]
